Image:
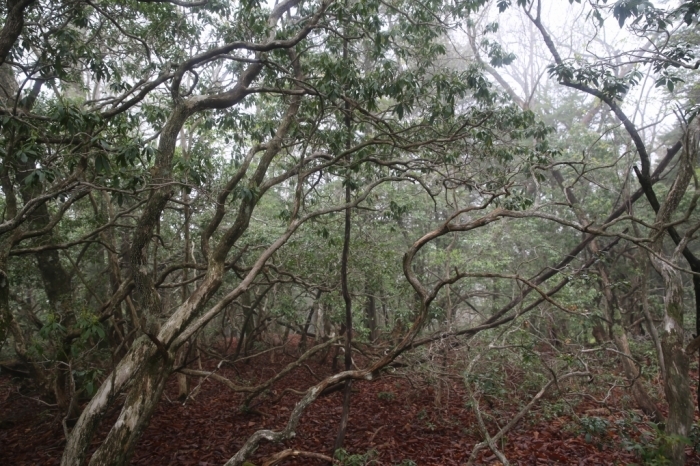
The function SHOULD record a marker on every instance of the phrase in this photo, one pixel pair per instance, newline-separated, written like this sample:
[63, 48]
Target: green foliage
[88, 379]
[651, 446]
[364, 459]
[597, 77]
[595, 429]
[90, 327]
[554, 410]
[52, 327]
[385, 98]
[407, 463]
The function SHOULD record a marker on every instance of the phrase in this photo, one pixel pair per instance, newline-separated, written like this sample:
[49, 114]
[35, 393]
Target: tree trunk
[150, 359]
[677, 378]
[140, 403]
[372, 317]
[183, 383]
[307, 324]
[644, 401]
[58, 289]
[344, 282]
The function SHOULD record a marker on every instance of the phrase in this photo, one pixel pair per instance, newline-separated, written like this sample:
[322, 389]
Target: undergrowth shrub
[364, 459]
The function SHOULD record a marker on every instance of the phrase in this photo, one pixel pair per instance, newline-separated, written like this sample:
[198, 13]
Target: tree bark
[147, 354]
[139, 405]
[344, 281]
[371, 315]
[13, 26]
[677, 379]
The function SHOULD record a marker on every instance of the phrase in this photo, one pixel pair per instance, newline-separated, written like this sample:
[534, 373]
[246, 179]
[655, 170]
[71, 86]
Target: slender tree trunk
[8, 324]
[371, 316]
[641, 396]
[183, 382]
[307, 324]
[7, 320]
[115, 280]
[676, 380]
[58, 288]
[348, 324]
[344, 285]
[247, 335]
[696, 287]
[619, 335]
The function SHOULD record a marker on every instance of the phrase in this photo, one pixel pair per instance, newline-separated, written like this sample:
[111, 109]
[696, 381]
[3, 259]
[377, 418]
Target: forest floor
[396, 419]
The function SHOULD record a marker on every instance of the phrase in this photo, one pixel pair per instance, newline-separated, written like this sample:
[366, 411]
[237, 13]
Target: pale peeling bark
[139, 405]
[677, 362]
[147, 360]
[677, 380]
[142, 361]
[78, 442]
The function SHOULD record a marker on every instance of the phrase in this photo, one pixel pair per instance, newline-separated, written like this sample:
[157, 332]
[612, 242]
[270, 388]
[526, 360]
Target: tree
[113, 77]
[609, 79]
[199, 155]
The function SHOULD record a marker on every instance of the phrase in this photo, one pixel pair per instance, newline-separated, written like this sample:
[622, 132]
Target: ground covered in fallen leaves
[397, 419]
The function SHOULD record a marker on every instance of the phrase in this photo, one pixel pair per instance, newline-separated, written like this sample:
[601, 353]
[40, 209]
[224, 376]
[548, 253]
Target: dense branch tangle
[149, 361]
[260, 133]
